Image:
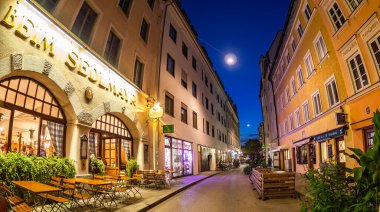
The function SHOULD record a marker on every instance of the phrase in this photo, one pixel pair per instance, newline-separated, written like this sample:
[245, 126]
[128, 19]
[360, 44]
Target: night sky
[245, 28]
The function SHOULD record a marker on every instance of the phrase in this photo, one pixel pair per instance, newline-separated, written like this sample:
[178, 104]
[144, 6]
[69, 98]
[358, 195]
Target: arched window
[31, 120]
[111, 140]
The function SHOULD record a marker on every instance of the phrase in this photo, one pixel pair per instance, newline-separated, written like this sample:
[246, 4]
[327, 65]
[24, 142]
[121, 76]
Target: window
[170, 65]
[184, 50]
[112, 49]
[309, 64]
[294, 45]
[184, 79]
[287, 94]
[317, 104]
[300, 30]
[151, 3]
[307, 12]
[320, 47]
[324, 156]
[358, 72]
[375, 49]
[288, 58]
[354, 3]
[206, 81]
[194, 89]
[184, 113]
[194, 63]
[282, 101]
[291, 122]
[286, 128]
[213, 131]
[207, 128]
[336, 16]
[84, 23]
[300, 77]
[169, 104]
[293, 83]
[369, 135]
[306, 114]
[125, 5]
[144, 31]
[146, 153]
[173, 33]
[195, 120]
[298, 119]
[206, 102]
[332, 92]
[211, 89]
[138, 74]
[212, 109]
[49, 5]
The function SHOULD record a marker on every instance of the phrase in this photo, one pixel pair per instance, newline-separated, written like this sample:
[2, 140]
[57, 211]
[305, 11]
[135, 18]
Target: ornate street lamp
[155, 113]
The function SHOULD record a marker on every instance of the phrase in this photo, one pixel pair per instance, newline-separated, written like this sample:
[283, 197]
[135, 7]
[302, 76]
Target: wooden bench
[273, 184]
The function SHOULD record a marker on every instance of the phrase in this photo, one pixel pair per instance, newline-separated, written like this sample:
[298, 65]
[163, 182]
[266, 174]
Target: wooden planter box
[273, 184]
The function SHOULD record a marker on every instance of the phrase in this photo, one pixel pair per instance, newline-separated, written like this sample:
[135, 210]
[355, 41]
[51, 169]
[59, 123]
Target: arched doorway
[111, 141]
[31, 119]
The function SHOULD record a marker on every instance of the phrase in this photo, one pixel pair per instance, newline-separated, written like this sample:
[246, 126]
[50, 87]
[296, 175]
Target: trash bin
[288, 165]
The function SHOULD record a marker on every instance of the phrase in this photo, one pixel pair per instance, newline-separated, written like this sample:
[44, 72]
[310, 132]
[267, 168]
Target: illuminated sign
[30, 25]
[168, 128]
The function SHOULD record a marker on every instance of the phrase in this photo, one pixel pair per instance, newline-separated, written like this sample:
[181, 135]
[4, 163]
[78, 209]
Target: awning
[279, 148]
[302, 142]
[330, 134]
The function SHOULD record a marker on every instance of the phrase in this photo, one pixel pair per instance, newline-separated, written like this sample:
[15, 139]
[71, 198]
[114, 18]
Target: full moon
[230, 59]
[248, 125]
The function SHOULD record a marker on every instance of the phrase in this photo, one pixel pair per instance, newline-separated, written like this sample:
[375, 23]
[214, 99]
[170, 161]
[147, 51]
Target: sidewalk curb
[154, 204]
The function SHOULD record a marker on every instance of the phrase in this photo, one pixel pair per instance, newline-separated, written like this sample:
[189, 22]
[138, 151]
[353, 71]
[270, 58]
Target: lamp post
[155, 113]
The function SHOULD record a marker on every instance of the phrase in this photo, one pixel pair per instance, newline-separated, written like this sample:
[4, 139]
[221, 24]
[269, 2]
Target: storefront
[178, 156]
[332, 145]
[207, 158]
[31, 120]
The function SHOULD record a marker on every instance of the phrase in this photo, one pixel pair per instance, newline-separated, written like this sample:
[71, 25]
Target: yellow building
[326, 78]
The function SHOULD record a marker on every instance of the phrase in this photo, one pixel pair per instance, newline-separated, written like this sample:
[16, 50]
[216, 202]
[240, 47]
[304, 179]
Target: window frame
[170, 58]
[140, 73]
[306, 116]
[328, 82]
[145, 34]
[306, 57]
[338, 18]
[173, 33]
[169, 108]
[184, 118]
[348, 60]
[319, 48]
[317, 110]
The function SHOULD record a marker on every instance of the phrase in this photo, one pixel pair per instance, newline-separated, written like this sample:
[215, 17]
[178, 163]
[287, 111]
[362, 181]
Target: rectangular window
[212, 109]
[354, 3]
[211, 89]
[184, 79]
[184, 113]
[207, 128]
[169, 104]
[184, 50]
[286, 128]
[298, 119]
[213, 131]
[144, 31]
[151, 3]
[291, 122]
[173, 33]
[194, 90]
[369, 135]
[332, 92]
[336, 16]
[288, 57]
[206, 102]
[84, 22]
[287, 94]
[300, 30]
[49, 5]
[309, 64]
[194, 63]
[323, 146]
[317, 104]
[307, 12]
[112, 49]
[139, 73]
[375, 49]
[306, 113]
[320, 47]
[195, 120]
[170, 65]
[125, 5]
[294, 88]
[358, 72]
[300, 77]
[294, 45]
[282, 101]
[206, 81]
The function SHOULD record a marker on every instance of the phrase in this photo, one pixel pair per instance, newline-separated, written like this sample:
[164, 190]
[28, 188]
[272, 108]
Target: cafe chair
[76, 193]
[14, 202]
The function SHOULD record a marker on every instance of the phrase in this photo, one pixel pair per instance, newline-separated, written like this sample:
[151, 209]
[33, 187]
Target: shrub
[97, 166]
[132, 167]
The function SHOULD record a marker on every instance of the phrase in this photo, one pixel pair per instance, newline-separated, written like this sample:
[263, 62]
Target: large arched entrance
[31, 119]
[111, 141]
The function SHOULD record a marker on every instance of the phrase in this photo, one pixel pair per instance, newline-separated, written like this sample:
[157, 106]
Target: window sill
[327, 55]
[338, 31]
[311, 74]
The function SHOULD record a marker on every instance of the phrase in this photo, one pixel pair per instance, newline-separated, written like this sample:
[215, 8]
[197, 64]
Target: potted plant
[132, 167]
[97, 166]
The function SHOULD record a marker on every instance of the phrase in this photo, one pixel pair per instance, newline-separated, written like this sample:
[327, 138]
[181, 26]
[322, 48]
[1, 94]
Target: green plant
[97, 166]
[367, 175]
[132, 166]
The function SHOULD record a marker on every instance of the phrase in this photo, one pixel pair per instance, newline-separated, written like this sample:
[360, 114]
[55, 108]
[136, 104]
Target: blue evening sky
[245, 28]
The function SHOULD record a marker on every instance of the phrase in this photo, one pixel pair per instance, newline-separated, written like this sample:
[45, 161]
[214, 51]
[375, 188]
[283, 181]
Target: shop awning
[330, 134]
[302, 142]
[279, 148]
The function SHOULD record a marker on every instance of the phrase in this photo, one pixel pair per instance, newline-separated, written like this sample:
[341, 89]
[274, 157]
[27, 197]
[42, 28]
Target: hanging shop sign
[168, 128]
[34, 28]
[330, 134]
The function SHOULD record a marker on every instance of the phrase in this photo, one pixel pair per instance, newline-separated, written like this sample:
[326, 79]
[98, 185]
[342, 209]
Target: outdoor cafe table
[36, 188]
[134, 189]
[95, 188]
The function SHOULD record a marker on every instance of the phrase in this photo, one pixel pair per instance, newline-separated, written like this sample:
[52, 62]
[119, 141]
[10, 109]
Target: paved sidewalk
[152, 197]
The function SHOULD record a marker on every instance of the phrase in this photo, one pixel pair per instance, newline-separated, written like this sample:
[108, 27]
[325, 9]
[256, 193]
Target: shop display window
[178, 156]
[31, 121]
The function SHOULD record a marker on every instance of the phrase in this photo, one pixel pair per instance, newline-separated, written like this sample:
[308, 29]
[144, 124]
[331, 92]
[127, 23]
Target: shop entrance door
[111, 151]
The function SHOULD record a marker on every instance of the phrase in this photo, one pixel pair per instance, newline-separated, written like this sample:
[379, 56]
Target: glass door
[111, 152]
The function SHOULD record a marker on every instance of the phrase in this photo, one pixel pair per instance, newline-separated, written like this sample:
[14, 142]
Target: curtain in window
[92, 144]
[56, 134]
[127, 150]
